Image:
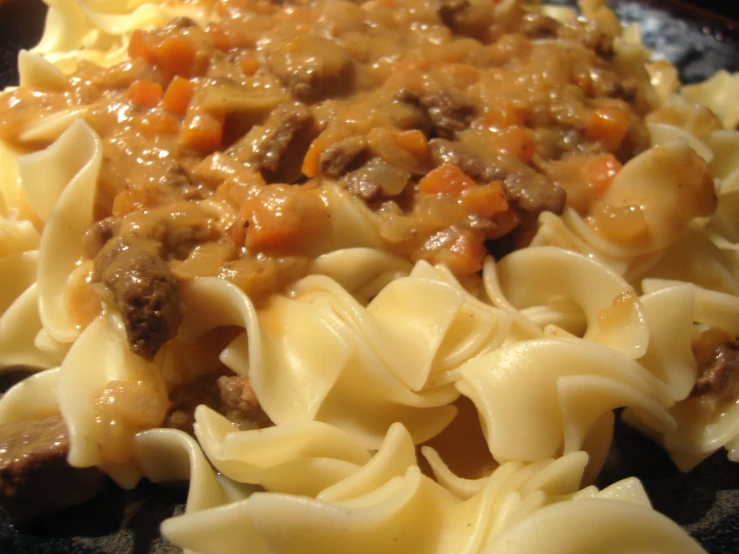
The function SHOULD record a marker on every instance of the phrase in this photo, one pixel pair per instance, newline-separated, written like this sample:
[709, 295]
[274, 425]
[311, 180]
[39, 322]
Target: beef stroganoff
[370, 275]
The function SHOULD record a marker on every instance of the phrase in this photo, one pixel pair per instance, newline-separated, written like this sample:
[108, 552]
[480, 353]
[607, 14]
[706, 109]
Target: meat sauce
[454, 125]
[455, 122]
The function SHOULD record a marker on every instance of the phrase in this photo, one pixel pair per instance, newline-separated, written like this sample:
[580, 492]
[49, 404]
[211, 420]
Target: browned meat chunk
[312, 67]
[445, 151]
[376, 178]
[532, 192]
[145, 292]
[527, 190]
[230, 395]
[450, 111]
[341, 156]
[277, 148]
[98, 235]
[406, 112]
[362, 184]
[35, 478]
[466, 17]
[719, 373]
[239, 403]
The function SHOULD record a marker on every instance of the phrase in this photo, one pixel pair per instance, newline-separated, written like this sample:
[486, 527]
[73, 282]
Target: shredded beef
[35, 478]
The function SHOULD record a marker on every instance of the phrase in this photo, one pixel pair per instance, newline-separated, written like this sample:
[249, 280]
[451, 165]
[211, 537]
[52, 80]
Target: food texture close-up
[398, 276]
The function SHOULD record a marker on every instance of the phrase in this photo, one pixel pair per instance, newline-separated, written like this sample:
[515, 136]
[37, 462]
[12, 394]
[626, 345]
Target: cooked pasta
[371, 276]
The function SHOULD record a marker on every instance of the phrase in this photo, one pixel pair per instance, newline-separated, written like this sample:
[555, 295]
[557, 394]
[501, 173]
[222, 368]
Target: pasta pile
[364, 361]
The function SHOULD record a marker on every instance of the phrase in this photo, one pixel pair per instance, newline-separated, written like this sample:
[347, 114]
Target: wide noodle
[367, 359]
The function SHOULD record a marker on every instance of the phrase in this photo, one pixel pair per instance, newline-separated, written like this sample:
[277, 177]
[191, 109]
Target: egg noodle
[367, 356]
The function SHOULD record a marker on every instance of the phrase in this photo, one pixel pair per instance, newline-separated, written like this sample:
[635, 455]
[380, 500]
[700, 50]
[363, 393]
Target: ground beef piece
[35, 478]
[312, 67]
[342, 156]
[230, 395]
[277, 148]
[719, 373]
[466, 17]
[450, 111]
[144, 291]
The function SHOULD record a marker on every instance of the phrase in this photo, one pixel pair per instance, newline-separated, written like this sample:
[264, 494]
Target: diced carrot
[608, 125]
[504, 115]
[313, 155]
[249, 65]
[284, 219]
[136, 200]
[485, 200]
[415, 142]
[178, 95]
[600, 171]
[461, 250]
[144, 93]
[445, 179]
[176, 56]
[159, 123]
[203, 131]
[271, 229]
[221, 37]
[518, 142]
[139, 48]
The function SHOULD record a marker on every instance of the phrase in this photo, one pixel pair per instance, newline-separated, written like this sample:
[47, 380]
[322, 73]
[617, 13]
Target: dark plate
[705, 502]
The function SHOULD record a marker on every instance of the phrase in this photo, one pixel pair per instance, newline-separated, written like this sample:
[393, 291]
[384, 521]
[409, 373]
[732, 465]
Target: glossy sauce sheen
[716, 474]
[454, 125]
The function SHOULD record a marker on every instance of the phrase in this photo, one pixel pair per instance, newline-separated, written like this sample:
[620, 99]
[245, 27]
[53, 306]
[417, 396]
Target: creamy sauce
[455, 128]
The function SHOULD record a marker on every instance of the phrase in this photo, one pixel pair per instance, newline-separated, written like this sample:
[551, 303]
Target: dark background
[700, 38]
[728, 8]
